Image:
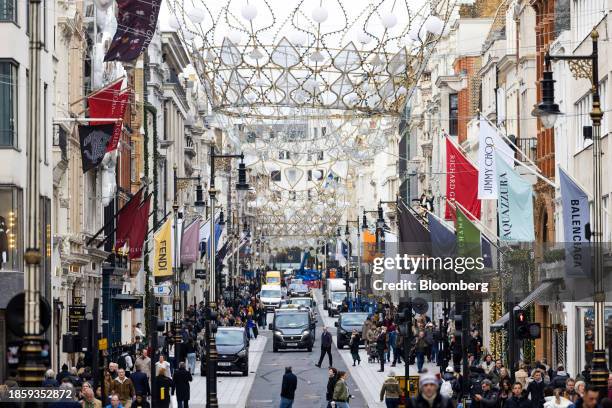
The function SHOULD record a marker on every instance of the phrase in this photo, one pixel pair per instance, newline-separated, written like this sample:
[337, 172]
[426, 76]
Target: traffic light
[525, 330]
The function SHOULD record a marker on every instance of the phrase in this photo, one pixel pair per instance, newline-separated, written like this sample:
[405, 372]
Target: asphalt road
[312, 381]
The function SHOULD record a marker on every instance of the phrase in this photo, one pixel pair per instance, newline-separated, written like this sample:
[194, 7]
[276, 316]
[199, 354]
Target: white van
[271, 296]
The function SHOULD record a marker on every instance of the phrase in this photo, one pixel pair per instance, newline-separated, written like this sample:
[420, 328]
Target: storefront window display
[587, 317]
[11, 211]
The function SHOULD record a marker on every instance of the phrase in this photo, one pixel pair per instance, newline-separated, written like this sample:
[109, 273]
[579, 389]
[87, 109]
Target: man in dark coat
[182, 378]
[429, 395]
[488, 397]
[141, 382]
[535, 389]
[326, 345]
[288, 388]
[517, 400]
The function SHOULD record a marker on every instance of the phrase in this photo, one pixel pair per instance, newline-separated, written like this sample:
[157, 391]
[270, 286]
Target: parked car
[232, 349]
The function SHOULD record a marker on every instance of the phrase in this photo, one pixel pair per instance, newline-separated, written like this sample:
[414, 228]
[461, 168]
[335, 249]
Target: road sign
[162, 290]
[167, 313]
[103, 344]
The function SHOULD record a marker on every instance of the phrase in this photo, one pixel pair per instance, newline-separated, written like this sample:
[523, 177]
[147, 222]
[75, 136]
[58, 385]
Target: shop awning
[530, 299]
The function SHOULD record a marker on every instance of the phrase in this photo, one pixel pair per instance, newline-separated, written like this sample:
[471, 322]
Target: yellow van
[273, 278]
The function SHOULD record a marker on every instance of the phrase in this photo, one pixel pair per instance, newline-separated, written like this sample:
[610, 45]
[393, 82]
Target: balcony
[528, 146]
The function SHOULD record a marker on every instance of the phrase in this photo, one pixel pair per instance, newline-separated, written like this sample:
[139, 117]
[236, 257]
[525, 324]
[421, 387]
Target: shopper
[326, 345]
[140, 381]
[535, 389]
[123, 388]
[354, 347]
[341, 393]
[390, 391]
[162, 389]
[331, 383]
[89, 399]
[288, 388]
[429, 396]
[420, 349]
[381, 347]
[517, 399]
[181, 381]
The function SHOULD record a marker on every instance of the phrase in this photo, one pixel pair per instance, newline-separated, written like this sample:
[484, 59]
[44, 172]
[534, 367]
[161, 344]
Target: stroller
[372, 353]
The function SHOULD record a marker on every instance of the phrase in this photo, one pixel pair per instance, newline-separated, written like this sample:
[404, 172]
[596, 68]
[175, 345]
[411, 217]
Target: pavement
[232, 389]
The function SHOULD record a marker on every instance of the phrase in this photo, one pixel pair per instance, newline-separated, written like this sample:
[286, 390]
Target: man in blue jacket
[326, 345]
[288, 388]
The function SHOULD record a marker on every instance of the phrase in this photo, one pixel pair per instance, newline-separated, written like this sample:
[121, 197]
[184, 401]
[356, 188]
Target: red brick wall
[469, 96]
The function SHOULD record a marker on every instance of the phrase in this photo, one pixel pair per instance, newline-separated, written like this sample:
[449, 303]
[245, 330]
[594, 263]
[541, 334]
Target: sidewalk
[233, 390]
[366, 375]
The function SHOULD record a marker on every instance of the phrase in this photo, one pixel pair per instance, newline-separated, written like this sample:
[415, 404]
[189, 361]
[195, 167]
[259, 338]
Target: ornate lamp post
[211, 347]
[180, 183]
[586, 66]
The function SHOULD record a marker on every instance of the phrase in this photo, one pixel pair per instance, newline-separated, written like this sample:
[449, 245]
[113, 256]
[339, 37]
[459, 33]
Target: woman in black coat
[354, 347]
[331, 384]
[181, 379]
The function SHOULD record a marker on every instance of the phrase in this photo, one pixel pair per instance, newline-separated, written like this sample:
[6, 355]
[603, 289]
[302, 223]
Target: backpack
[446, 390]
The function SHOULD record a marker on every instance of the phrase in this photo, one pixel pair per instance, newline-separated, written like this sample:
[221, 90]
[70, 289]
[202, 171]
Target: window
[323, 131]
[453, 113]
[292, 195]
[284, 155]
[11, 240]
[606, 218]
[92, 201]
[603, 99]
[45, 145]
[320, 155]
[275, 175]
[8, 10]
[309, 175]
[582, 119]
[8, 107]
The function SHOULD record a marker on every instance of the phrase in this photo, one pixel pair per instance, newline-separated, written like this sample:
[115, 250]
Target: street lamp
[211, 347]
[358, 268]
[180, 183]
[548, 111]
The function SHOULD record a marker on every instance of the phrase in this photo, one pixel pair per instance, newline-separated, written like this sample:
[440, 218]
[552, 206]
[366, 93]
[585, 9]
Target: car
[305, 302]
[299, 289]
[232, 350]
[346, 323]
[271, 296]
[293, 328]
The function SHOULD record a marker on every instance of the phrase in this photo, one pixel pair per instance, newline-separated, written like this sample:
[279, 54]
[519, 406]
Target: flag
[489, 142]
[468, 236]
[576, 217]
[93, 144]
[443, 240]
[369, 247]
[391, 251]
[461, 183]
[136, 24]
[118, 113]
[340, 252]
[110, 103]
[139, 230]
[127, 217]
[413, 236]
[104, 102]
[162, 261]
[515, 205]
[487, 252]
[189, 243]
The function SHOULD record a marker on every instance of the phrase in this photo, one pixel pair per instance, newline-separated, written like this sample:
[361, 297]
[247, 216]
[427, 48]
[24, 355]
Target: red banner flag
[103, 103]
[138, 233]
[121, 106]
[109, 103]
[461, 183]
[126, 219]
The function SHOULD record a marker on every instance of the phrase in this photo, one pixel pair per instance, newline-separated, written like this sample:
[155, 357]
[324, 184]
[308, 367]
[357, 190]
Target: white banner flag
[489, 141]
